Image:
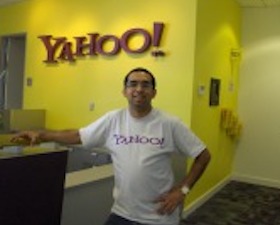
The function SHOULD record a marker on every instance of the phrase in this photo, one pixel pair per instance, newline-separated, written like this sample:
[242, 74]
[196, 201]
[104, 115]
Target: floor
[239, 204]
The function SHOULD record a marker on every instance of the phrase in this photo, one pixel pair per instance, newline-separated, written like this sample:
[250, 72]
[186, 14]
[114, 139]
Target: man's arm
[172, 199]
[36, 137]
[199, 165]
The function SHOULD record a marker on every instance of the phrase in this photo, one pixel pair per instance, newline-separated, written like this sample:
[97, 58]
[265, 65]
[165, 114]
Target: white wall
[258, 151]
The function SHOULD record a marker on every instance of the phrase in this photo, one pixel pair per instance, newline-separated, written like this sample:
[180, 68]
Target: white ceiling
[259, 3]
[243, 3]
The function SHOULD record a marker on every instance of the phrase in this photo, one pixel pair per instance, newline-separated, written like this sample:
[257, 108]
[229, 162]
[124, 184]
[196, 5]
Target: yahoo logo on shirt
[121, 139]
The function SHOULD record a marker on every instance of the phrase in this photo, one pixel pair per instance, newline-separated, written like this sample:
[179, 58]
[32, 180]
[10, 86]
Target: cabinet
[31, 187]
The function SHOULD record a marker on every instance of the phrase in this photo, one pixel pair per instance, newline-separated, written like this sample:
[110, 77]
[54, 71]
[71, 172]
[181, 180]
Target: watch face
[185, 190]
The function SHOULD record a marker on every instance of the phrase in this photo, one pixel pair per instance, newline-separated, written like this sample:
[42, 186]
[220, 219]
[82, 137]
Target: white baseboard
[256, 180]
[202, 199]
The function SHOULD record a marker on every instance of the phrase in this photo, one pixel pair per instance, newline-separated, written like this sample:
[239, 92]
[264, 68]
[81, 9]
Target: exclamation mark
[158, 30]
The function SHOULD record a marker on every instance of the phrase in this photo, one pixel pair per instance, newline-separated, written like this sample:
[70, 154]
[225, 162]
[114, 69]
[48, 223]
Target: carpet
[239, 203]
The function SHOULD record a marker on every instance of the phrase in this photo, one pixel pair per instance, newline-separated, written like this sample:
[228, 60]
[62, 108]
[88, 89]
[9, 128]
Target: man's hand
[26, 137]
[169, 201]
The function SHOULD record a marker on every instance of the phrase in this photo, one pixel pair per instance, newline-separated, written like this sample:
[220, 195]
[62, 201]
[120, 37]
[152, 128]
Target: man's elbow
[204, 157]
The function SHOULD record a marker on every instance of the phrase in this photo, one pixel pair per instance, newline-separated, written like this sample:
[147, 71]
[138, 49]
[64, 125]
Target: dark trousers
[118, 220]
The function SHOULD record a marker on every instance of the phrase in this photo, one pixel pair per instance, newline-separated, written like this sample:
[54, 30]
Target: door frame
[13, 48]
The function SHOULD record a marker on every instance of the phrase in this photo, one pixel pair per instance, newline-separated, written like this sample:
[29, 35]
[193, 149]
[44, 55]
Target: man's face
[139, 90]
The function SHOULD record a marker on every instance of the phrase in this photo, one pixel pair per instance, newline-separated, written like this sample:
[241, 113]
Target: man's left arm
[172, 199]
[199, 165]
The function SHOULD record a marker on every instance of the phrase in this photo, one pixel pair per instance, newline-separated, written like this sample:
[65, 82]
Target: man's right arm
[36, 137]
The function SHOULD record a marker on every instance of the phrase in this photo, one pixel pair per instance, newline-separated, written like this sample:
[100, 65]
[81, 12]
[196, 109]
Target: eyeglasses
[142, 84]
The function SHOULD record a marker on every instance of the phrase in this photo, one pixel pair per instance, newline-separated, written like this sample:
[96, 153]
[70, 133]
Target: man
[141, 140]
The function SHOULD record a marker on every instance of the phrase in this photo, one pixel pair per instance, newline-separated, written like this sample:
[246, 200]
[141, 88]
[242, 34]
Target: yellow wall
[66, 90]
[218, 31]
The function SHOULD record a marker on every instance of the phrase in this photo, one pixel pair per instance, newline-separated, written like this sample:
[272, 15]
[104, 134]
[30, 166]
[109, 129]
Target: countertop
[88, 175]
[11, 151]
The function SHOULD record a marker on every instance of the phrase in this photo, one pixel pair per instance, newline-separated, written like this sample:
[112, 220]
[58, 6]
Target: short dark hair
[141, 69]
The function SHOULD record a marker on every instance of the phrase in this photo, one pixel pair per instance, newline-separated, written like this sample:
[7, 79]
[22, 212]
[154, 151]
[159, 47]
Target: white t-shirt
[141, 150]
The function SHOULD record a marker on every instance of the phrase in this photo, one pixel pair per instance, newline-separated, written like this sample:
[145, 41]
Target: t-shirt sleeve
[186, 141]
[94, 135]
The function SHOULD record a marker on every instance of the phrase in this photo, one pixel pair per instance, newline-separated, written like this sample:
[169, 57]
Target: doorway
[12, 61]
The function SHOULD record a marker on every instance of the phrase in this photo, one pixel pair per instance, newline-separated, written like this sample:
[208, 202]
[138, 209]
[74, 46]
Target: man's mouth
[139, 98]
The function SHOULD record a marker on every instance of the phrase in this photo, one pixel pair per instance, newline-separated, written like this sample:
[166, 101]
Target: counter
[73, 178]
[88, 175]
[88, 188]
[87, 192]
[12, 151]
[31, 185]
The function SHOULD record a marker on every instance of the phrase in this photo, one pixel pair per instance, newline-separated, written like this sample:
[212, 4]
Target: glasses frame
[143, 84]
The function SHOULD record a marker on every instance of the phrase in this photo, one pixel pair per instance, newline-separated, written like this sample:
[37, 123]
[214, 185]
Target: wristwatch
[185, 189]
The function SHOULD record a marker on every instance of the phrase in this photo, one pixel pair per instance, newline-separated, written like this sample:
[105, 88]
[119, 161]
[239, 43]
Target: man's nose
[139, 87]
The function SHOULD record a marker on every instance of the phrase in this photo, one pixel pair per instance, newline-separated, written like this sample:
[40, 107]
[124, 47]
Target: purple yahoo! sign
[59, 48]
[121, 139]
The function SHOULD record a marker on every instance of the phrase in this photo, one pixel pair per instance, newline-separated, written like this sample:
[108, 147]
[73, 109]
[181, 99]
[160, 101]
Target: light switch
[91, 106]
[201, 89]
[29, 81]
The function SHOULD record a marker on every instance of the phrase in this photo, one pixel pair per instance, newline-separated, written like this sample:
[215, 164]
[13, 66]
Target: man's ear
[155, 93]
[123, 92]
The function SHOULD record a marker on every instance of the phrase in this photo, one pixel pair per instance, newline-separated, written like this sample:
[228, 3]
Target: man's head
[139, 89]
[140, 69]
